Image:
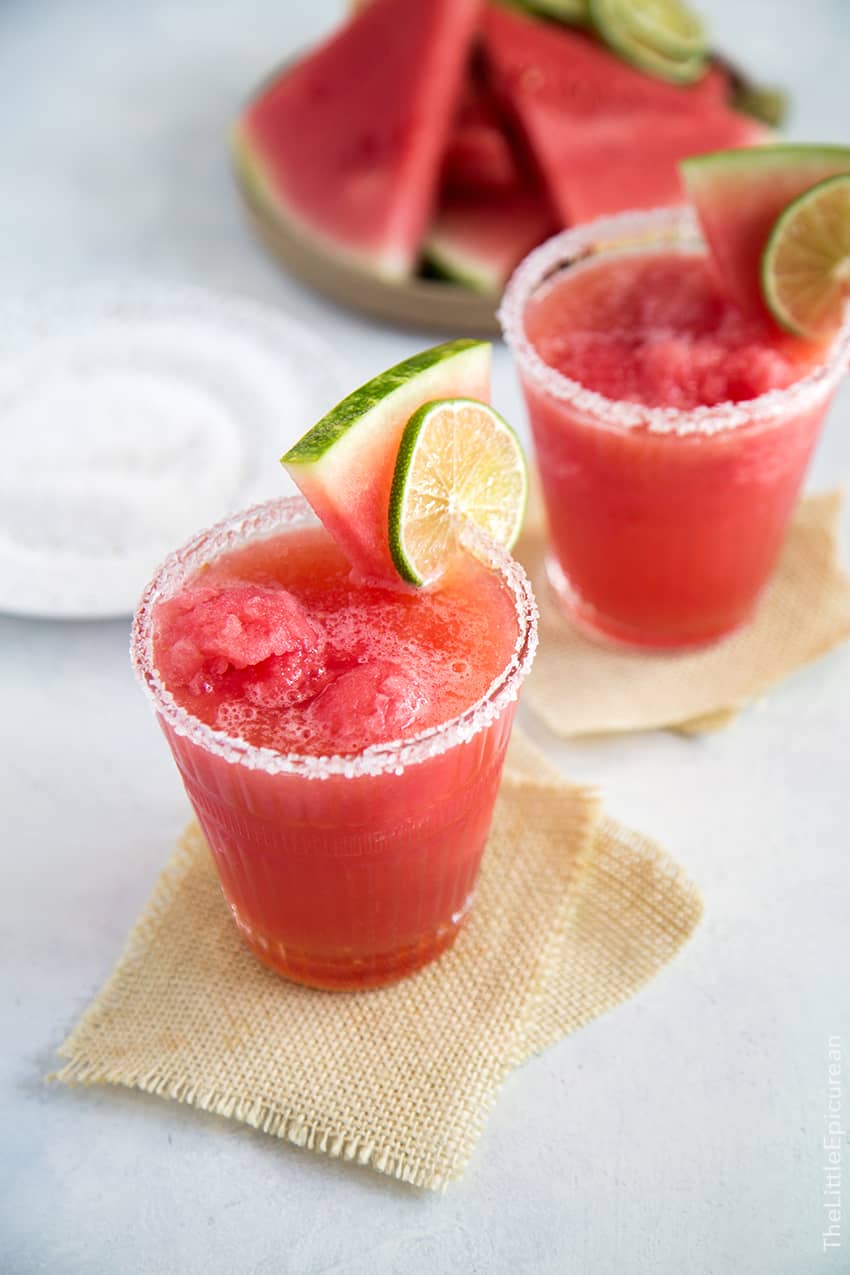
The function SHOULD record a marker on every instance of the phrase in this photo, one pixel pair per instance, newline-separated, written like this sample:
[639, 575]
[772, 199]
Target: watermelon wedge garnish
[344, 465]
[606, 137]
[805, 267]
[346, 146]
[739, 194]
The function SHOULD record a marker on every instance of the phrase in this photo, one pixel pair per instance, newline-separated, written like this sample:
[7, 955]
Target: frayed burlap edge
[553, 1004]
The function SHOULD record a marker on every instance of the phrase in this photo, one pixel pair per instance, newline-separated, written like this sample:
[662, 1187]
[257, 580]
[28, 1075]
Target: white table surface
[681, 1132]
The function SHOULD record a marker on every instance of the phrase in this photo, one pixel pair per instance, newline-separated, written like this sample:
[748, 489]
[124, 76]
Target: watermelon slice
[344, 465]
[566, 71]
[479, 242]
[606, 137]
[738, 197]
[492, 210]
[613, 165]
[346, 146]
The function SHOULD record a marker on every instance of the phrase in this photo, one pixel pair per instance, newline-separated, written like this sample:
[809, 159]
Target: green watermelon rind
[708, 167]
[766, 103]
[572, 12]
[365, 406]
[479, 246]
[344, 464]
[606, 16]
[458, 267]
[252, 177]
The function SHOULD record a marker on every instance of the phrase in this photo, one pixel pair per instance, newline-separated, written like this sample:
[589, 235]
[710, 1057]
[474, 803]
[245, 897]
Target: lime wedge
[459, 462]
[660, 37]
[805, 267]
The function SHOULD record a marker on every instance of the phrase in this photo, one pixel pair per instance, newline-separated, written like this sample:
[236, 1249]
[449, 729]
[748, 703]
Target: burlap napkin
[580, 688]
[573, 914]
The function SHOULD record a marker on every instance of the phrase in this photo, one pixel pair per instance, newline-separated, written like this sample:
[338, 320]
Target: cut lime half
[805, 267]
[640, 34]
[459, 463]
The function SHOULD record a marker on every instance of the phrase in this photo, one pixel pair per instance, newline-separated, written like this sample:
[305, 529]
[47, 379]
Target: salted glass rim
[392, 756]
[679, 222]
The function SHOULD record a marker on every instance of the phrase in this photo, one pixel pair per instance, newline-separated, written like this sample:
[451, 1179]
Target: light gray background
[681, 1132]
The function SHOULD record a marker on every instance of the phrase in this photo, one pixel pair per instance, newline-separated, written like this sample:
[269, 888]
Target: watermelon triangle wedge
[739, 195]
[492, 210]
[346, 146]
[613, 165]
[344, 465]
[479, 242]
[606, 137]
[571, 73]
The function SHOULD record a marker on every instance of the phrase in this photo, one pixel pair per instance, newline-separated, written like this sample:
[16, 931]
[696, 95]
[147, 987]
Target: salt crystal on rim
[386, 758]
[678, 229]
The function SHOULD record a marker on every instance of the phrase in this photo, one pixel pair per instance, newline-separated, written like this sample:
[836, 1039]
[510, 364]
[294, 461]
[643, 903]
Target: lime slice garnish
[459, 463]
[633, 29]
[805, 267]
[668, 26]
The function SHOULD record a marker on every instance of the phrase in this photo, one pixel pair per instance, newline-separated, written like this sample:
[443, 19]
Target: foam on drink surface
[654, 328]
[277, 644]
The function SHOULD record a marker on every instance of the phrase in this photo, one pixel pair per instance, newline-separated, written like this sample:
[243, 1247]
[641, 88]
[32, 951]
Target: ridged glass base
[606, 632]
[347, 972]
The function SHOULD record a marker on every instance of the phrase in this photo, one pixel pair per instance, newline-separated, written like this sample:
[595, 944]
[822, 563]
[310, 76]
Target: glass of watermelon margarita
[672, 431]
[341, 742]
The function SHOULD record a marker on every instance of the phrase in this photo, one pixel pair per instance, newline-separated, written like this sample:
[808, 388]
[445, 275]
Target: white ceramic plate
[130, 419]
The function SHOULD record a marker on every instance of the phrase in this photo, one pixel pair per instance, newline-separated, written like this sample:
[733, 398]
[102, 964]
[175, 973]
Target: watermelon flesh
[568, 71]
[606, 137]
[344, 465]
[347, 145]
[492, 209]
[479, 158]
[739, 195]
[613, 165]
[479, 242]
